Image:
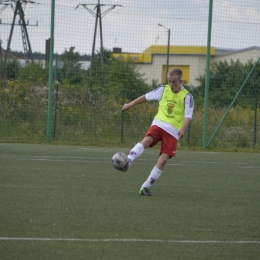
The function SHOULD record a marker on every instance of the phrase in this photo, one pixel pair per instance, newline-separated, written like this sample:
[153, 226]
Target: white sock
[154, 175]
[136, 152]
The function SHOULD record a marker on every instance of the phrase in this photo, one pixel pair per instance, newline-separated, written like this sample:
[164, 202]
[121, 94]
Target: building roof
[223, 52]
[147, 55]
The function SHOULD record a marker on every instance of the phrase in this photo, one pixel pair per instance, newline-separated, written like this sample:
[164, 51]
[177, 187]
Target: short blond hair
[175, 71]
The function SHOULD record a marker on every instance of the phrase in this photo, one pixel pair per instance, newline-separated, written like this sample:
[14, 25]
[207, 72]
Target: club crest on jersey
[170, 107]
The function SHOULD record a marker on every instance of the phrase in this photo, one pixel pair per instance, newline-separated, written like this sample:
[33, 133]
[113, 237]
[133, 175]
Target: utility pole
[0, 49]
[98, 15]
[18, 10]
[168, 49]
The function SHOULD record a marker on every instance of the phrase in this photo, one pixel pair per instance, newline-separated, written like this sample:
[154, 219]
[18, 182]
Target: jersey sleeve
[155, 94]
[189, 106]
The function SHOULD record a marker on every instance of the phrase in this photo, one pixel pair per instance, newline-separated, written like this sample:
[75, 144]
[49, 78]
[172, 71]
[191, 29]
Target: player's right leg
[168, 150]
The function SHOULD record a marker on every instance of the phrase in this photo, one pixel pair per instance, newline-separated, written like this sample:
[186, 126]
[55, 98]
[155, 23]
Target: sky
[133, 24]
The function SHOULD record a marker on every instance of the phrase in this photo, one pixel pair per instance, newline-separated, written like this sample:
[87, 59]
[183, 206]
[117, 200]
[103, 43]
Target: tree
[97, 72]
[225, 81]
[71, 70]
[118, 76]
[9, 69]
[123, 76]
[34, 72]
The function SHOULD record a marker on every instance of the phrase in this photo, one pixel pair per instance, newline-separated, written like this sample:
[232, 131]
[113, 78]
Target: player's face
[175, 83]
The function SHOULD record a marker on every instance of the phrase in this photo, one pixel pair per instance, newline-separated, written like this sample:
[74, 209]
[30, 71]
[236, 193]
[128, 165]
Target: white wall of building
[244, 56]
[197, 64]
[154, 70]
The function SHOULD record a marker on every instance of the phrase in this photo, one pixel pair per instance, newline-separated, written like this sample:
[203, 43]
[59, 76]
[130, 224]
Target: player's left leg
[156, 171]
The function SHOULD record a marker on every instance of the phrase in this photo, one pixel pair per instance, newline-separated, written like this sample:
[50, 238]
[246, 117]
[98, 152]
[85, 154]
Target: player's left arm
[189, 107]
[185, 125]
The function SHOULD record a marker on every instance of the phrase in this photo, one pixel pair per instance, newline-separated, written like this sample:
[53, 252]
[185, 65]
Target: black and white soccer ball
[119, 161]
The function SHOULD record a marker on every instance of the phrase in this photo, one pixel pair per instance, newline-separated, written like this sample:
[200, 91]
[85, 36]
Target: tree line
[121, 78]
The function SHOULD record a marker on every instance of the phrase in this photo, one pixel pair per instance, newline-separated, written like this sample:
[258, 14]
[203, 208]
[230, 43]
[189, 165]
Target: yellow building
[191, 59]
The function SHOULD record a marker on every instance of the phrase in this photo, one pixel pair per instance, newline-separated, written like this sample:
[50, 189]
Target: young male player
[175, 111]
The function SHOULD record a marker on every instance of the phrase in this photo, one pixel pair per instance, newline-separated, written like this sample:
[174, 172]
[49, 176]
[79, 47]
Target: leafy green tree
[34, 72]
[9, 69]
[252, 87]
[225, 81]
[124, 78]
[71, 71]
[117, 77]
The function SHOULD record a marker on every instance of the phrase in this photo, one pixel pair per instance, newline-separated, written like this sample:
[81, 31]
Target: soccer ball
[119, 161]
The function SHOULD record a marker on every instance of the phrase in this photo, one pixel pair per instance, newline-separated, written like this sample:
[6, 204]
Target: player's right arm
[136, 101]
[155, 94]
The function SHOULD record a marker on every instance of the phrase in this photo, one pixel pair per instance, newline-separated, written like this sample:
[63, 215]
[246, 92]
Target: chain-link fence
[108, 52]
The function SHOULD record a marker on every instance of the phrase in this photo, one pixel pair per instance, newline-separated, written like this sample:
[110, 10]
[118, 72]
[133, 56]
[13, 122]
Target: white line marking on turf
[91, 159]
[72, 159]
[129, 240]
[249, 167]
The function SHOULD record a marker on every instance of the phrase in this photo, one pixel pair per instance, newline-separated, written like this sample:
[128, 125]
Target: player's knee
[147, 141]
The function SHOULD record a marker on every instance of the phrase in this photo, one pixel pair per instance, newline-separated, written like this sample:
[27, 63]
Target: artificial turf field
[67, 202]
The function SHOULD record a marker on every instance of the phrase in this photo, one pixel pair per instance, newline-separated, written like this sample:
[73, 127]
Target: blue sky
[134, 25]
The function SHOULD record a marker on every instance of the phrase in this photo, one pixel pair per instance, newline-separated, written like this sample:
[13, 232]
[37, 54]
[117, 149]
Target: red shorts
[169, 143]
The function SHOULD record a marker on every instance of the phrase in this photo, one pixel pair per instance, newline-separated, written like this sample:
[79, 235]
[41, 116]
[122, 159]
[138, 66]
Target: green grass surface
[67, 202]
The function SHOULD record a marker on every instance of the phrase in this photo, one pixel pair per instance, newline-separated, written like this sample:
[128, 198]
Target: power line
[98, 15]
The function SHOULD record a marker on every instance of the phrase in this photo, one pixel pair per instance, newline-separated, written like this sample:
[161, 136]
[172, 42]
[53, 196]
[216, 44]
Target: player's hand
[180, 133]
[126, 107]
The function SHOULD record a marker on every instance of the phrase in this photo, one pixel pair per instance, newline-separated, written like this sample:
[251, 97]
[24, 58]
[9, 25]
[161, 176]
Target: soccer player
[175, 111]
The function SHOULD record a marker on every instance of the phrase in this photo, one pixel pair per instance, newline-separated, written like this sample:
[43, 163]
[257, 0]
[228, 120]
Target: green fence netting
[109, 52]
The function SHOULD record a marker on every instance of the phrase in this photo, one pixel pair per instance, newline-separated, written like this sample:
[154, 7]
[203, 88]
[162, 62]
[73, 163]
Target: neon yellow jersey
[172, 107]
